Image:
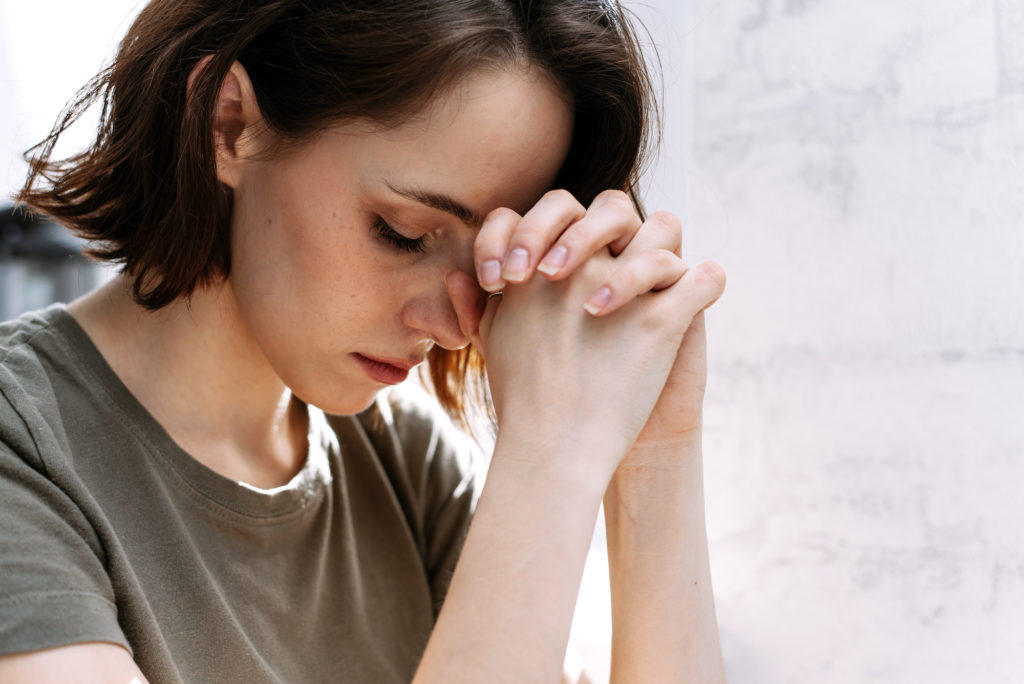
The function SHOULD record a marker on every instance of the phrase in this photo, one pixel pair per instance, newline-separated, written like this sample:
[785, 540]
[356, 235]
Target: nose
[428, 307]
[430, 313]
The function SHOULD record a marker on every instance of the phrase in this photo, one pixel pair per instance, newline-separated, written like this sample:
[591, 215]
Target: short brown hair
[146, 193]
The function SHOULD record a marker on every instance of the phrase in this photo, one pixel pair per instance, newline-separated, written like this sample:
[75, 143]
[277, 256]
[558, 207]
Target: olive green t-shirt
[109, 531]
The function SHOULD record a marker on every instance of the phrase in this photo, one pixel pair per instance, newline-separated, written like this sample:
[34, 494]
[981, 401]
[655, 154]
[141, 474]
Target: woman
[202, 478]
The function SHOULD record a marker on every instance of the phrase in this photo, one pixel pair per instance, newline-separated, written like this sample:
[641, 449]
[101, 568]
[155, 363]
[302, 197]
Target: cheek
[286, 243]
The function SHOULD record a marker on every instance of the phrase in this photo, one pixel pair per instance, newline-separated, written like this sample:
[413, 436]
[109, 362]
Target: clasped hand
[603, 352]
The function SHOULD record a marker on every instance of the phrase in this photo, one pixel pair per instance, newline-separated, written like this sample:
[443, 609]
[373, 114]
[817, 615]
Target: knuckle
[710, 272]
[614, 196]
[560, 195]
[620, 203]
[629, 218]
[663, 260]
[668, 220]
[667, 230]
[500, 214]
[497, 224]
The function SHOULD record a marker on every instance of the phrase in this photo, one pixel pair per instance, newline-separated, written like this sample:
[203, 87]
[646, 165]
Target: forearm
[509, 608]
[663, 615]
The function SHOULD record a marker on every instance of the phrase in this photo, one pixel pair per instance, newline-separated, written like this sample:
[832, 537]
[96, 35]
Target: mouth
[384, 370]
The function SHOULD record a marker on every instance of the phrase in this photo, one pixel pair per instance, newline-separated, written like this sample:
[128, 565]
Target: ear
[236, 117]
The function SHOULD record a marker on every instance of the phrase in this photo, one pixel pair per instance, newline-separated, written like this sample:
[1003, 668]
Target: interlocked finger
[541, 226]
[509, 247]
[701, 286]
[648, 271]
[611, 221]
[661, 230]
[490, 246]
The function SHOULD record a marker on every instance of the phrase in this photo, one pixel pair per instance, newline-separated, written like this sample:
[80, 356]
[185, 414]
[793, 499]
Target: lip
[382, 369]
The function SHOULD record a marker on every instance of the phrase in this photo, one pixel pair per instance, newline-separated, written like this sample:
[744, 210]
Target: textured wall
[857, 168]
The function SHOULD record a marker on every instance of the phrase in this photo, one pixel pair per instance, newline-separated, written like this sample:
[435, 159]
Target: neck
[196, 368]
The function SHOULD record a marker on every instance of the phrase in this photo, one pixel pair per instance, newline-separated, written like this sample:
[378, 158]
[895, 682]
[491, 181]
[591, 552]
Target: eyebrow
[439, 201]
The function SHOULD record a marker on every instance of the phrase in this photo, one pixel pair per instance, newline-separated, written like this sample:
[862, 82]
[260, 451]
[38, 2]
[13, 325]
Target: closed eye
[396, 239]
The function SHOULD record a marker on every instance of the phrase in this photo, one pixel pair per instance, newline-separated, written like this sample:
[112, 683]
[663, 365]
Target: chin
[339, 403]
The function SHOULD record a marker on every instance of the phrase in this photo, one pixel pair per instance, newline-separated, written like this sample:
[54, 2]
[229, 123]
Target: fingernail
[490, 275]
[598, 300]
[554, 261]
[516, 263]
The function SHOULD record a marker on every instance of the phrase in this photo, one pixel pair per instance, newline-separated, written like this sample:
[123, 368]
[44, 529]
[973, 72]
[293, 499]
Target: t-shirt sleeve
[448, 488]
[54, 589]
[449, 509]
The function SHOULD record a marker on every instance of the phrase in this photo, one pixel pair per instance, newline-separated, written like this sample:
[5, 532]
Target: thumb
[468, 302]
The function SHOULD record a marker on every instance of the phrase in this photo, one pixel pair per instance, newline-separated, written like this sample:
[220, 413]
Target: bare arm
[509, 608]
[86, 663]
[573, 387]
[663, 611]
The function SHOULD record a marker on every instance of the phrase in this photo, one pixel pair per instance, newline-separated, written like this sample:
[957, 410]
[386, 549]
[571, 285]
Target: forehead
[496, 139]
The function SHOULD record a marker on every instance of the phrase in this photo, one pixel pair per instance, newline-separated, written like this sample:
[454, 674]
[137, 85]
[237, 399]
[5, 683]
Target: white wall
[857, 169]
[48, 50]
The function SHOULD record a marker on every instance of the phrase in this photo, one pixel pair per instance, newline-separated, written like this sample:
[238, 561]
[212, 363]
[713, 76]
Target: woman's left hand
[677, 416]
[557, 236]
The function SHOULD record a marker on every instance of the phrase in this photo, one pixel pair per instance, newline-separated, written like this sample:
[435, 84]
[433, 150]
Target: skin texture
[593, 395]
[87, 663]
[312, 282]
[333, 287]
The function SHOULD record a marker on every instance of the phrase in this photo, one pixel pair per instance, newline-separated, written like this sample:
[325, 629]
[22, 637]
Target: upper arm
[54, 585]
[86, 663]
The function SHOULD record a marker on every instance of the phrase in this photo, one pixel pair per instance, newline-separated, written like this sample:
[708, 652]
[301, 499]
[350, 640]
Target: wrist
[665, 455]
[655, 480]
[578, 466]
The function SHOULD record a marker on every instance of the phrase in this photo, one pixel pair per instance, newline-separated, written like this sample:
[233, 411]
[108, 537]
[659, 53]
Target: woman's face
[340, 247]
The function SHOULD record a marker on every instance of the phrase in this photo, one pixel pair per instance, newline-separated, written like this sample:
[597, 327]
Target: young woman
[201, 477]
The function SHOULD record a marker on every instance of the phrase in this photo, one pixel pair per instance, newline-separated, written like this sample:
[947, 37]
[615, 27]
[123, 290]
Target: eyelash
[396, 239]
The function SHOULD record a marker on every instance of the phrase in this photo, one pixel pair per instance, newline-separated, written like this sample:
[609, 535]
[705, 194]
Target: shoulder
[44, 380]
[53, 577]
[24, 343]
[26, 364]
[17, 331]
[30, 338]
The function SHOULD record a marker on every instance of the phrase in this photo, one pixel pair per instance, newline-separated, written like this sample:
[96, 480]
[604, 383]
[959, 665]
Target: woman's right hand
[565, 381]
